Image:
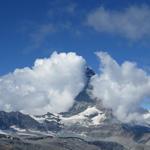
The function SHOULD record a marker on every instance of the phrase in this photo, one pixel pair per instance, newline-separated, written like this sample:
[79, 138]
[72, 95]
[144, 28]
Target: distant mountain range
[87, 125]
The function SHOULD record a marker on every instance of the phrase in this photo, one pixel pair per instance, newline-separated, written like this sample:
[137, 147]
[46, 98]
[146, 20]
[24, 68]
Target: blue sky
[35, 28]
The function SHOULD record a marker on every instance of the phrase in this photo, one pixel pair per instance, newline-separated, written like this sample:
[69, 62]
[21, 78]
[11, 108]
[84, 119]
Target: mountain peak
[89, 72]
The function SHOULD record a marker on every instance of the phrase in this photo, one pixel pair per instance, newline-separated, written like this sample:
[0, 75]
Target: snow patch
[38, 119]
[2, 132]
[147, 117]
[91, 116]
[48, 117]
[99, 118]
[18, 129]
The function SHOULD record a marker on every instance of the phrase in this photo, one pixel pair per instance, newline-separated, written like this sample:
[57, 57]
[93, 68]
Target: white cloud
[121, 87]
[49, 86]
[132, 23]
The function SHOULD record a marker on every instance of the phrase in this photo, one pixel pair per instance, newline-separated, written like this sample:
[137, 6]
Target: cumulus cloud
[121, 87]
[49, 86]
[132, 23]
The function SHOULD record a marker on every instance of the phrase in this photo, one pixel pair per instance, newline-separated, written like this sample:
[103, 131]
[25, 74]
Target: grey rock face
[20, 120]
